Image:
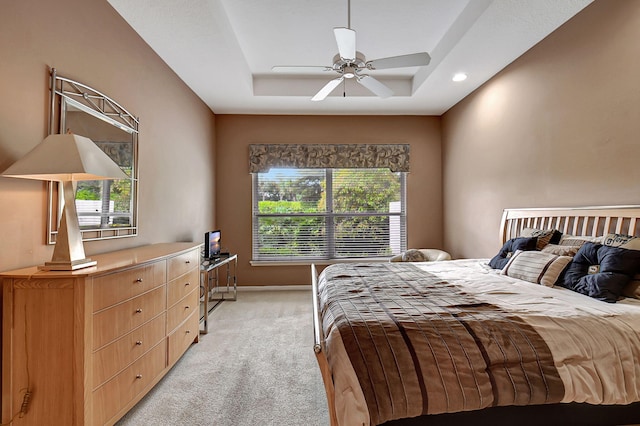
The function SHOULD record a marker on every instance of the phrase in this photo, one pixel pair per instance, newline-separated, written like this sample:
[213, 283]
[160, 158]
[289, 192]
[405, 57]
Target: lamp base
[66, 265]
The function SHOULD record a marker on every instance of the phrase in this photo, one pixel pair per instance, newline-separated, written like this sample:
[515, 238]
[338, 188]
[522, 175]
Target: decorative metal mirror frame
[66, 92]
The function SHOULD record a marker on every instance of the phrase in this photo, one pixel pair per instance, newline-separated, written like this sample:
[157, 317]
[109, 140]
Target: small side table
[212, 290]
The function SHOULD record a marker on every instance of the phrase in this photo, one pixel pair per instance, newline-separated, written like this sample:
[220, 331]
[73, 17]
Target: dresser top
[110, 261]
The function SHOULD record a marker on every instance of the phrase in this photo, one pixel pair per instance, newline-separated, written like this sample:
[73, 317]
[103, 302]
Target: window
[327, 214]
[107, 203]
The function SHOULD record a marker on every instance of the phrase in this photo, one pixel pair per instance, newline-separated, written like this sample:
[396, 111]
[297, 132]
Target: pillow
[510, 247]
[629, 242]
[536, 267]
[601, 272]
[632, 289]
[545, 237]
[413, 255]
[623, 241]
[578, 240]
[555, 238]
[561, 250]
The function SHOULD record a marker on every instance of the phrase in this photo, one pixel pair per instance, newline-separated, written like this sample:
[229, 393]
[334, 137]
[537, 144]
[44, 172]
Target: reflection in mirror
[107, 208]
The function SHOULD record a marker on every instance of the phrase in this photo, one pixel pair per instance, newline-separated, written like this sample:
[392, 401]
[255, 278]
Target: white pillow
[413, 255]
[628, 242]
[536, 267]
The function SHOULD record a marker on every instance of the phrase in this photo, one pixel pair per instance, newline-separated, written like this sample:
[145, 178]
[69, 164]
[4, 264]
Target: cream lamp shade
[66, 158]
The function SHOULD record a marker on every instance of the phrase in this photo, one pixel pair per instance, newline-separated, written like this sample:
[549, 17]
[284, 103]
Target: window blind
[324, 214]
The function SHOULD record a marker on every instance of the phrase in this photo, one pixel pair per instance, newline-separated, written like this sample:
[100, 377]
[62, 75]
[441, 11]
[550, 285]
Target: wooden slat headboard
[592, 221]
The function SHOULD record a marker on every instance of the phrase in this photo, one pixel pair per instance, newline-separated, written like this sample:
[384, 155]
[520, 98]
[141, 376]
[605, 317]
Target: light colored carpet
[255, 367]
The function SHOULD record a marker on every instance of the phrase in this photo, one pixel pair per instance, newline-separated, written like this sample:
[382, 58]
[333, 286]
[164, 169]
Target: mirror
[106, 208]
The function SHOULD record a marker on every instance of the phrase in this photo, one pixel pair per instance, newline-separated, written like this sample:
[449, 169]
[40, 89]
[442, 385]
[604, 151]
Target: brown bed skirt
[547, 415]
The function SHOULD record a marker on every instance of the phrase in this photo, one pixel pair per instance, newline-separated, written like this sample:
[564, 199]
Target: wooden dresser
[82, 347]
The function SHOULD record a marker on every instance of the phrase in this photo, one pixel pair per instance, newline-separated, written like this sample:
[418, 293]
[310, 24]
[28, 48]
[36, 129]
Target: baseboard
[305, 287]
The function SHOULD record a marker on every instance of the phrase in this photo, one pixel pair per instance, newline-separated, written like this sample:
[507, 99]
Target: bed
[460, 342]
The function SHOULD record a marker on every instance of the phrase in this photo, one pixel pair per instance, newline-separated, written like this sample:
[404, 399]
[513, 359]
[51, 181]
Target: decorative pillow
[545, 237]
[623, 241]
[561, 250]
[633, 288]
[578, 240]
[510, 247]
[413, 255]
[536, 267]
[555, 238]
[601, 272]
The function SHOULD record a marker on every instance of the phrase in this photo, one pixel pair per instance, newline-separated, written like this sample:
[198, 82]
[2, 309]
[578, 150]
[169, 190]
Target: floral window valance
[262, 157]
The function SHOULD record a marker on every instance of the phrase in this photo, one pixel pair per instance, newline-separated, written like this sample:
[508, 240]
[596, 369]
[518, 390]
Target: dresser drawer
[114, 357]
[181, 286]
[118, 320]
[183, 263]
[183, 337]
[117, 392]
[114, 288]
[184, 308]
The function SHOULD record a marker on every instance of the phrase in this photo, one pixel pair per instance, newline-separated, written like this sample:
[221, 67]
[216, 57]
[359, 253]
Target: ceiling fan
[349, 63]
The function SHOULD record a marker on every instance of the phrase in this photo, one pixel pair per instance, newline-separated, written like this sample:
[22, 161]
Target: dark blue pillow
[521, 243]
[556, 237]
[601, 271]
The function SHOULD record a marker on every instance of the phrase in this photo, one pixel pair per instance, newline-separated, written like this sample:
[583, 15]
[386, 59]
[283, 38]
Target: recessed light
[459, 77]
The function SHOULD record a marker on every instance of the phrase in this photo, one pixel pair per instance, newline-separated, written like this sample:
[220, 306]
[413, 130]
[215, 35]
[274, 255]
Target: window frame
[330, 216]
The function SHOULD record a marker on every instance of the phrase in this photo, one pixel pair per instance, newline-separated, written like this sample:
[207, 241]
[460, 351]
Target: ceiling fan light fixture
[349, 72]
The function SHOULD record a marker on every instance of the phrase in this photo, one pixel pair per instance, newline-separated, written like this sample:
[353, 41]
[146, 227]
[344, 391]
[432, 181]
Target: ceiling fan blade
[411, 60]
[300, 69]
[375, 86]
[346, 40]
[328, 88]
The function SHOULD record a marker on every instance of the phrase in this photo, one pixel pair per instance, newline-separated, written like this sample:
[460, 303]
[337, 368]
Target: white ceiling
[224, 49]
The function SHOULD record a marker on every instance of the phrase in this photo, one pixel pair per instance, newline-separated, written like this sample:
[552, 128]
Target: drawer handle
[187, 284]
[139, 280]
[188, 261]
[139, 311]
[187, 307]
[188, 331]
[139, 342]
[138, 376]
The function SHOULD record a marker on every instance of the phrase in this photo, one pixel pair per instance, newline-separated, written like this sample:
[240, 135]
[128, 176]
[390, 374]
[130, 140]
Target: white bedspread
[597, 361]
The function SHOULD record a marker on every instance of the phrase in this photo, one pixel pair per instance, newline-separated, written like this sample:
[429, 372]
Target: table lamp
[66, 158]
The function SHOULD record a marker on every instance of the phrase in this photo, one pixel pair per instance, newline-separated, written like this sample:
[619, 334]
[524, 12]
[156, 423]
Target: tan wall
[558, 127]
[234, 133]
[88, 41]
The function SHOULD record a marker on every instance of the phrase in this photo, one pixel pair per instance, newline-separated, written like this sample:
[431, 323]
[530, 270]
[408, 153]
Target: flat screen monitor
[212, 244]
